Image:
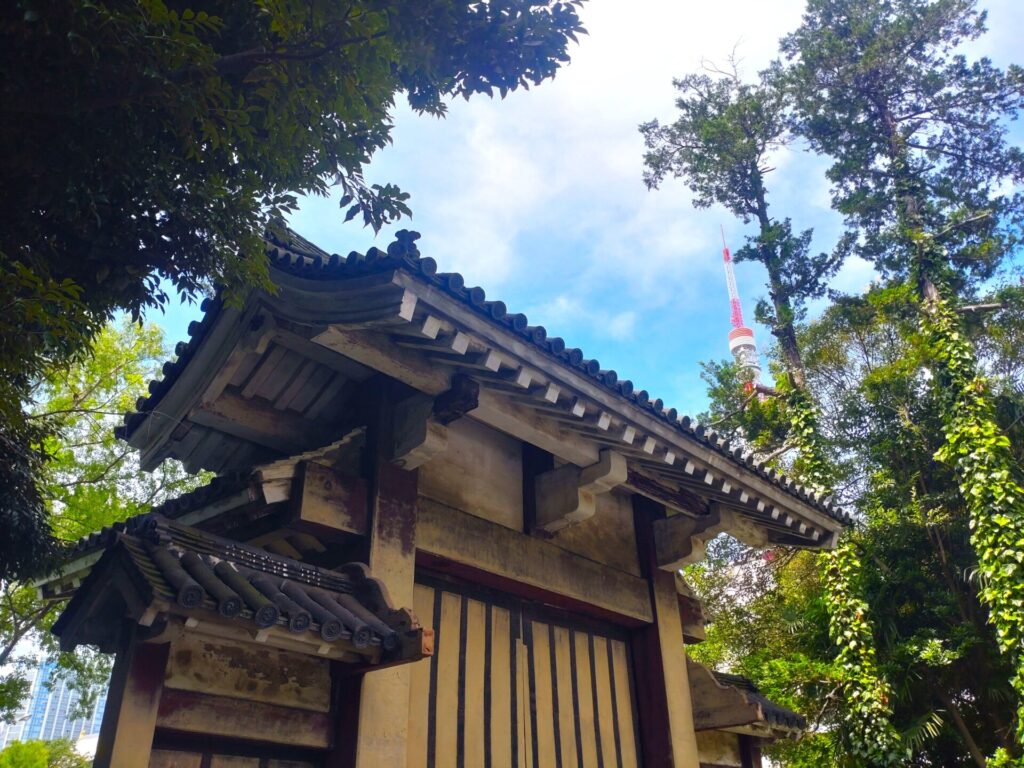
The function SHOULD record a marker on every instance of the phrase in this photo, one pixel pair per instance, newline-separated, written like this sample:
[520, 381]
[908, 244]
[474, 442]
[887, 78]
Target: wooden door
[515, 685]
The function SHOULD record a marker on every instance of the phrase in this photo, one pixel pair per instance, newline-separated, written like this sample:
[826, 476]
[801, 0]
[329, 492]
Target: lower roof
[153, 570]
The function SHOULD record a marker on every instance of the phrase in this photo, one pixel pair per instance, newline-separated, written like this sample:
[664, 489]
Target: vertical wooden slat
[473, 691]
[585, 701]
[447, 695]
[419, 693]
[501, 688]
[607, 726]
[624, 704]
[509, 692]
[543, 703]
[566, 706]
[526, 731]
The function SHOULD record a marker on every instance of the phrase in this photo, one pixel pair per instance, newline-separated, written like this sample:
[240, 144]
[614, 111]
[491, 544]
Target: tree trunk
[961, 726]
[782, 329]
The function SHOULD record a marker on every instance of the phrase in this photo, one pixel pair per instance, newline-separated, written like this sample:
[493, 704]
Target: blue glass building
[46, 714]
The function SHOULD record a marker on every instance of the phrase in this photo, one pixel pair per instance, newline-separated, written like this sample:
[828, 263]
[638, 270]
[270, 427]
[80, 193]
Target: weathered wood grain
[249, 672]
[199, 713]
[531, 562]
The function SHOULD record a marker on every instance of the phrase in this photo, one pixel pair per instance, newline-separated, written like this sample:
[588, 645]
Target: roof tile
[300, 257]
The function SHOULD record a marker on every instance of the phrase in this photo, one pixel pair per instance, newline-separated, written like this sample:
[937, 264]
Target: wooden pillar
[384, 697]
[750, 752]
[129, 720]
[663, 688]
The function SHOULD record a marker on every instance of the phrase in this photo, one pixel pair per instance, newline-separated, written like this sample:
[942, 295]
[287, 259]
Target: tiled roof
[774, 714]
[299, 257]
[218, 488]
[201, 575]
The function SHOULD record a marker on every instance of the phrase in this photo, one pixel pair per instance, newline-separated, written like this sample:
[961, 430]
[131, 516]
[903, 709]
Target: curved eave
[393, 313]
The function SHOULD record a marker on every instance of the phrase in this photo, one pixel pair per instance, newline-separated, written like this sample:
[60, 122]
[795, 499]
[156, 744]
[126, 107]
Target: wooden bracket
[421, 422]
[325, 503]
[568, 494]
[691, 612]
[463, 397]
[417, 437]
[680, 539]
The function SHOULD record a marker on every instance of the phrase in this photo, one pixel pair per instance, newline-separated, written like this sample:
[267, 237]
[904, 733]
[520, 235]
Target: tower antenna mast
[741, 338]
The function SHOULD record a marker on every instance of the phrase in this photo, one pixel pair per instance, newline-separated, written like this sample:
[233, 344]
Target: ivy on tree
[918, 138]
[722, 145]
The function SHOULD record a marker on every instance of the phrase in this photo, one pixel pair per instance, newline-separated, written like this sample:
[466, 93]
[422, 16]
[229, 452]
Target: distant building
[46, 712]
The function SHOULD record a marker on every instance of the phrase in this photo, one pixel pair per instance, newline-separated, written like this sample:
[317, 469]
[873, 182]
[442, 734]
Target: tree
[42, 754]
[721, 144]
[157, 140]
[951, 696]
[91, 481]
[917, 135]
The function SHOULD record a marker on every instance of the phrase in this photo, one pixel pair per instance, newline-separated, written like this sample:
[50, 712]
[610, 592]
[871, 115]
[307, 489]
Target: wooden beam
[671, 496]
[327, 504]
[379, 353]
[521, 422]
[199, 713]
[456, 343]
[530, 562]
[260, 423]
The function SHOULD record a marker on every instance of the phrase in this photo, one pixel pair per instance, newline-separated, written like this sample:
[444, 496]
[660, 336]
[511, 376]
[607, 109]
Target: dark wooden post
[384, 695]
[662, 684]
[129, 720]
[750, 752]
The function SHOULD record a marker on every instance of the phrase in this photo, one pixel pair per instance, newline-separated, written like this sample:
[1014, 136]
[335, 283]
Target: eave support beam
[568, 494]
[421, 422]
[680, 540]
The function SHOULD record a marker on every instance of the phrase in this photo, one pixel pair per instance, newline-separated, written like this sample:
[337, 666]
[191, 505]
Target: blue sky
[538, 198]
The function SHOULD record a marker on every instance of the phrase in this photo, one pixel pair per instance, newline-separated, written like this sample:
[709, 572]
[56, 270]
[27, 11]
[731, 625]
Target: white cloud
[539, 197]
[621, 326]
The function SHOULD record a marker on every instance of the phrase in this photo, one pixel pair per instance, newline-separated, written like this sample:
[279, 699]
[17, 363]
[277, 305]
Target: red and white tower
[741, 338]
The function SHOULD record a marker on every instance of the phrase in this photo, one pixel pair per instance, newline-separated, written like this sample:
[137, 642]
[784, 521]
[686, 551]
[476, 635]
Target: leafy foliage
[990, 482]
[881, 88]
[867, 731]
[721, 145]
[917, 135]
[157, 140]
[768, 616]
[91, 481]
[42, 754]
